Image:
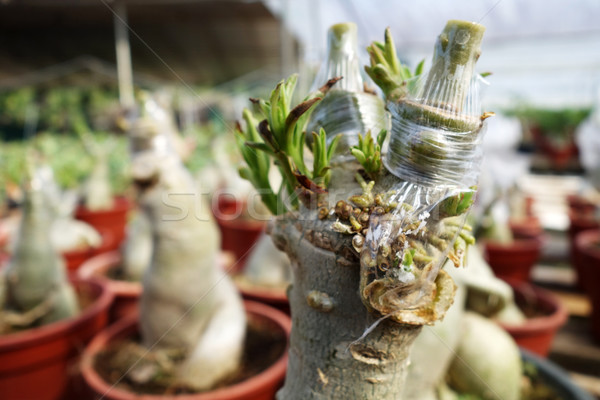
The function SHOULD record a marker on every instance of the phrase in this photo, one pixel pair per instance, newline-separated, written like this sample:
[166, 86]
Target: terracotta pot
[38, 363]
[259, 387]
[536, 334]
[127, 294]
[526, 228]
[113, 220]
[74, 259]
[579, 222]
[580, 204]
[276, 298]
[588, 246]
[559, 155]
[238, 235]
[514, 260]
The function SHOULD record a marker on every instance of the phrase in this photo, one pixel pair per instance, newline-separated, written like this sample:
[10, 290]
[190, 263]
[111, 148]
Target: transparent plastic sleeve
[435, 150]
[346, 108]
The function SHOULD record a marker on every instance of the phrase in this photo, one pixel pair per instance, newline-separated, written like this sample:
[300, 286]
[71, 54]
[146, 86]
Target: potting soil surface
[262, 348]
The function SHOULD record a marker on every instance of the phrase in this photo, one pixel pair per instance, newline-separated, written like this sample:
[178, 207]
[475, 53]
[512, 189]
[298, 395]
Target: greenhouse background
[152, 182]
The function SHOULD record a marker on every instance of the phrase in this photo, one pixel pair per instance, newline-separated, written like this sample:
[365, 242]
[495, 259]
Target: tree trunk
[326, 359]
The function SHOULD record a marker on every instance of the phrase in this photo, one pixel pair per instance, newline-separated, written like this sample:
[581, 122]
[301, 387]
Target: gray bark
[328, 316]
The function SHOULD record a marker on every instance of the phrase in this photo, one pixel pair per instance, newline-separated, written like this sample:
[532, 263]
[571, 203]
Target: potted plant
[582, 217]
[266, 276]
[354, 231]
[44, 319]
[535, 322]
[99, 207]
[240, 228]
[192, 325]
[74, 239]
[509, 256]
[588, 247]
[553, 131]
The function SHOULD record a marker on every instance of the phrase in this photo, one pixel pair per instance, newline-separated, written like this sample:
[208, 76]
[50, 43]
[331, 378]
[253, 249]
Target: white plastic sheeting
[545, 52]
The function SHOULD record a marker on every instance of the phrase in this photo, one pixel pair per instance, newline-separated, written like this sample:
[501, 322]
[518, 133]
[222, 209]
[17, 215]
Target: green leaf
[260, 146]
[419, 68]
[359, 155]
[332, 146]
[381, 137]
[245, 173]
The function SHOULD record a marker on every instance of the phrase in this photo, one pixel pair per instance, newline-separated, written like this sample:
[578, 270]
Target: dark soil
[264, 345]
[115, 273]
[530, 307]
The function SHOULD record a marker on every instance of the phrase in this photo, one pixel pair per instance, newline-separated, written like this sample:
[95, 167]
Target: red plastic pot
[588, 247]
[127, 294]
[74, 259]
[513, 260]
[38, 363]
[259, 387]
[536, 334]
[579, 222]
[276, 298]
[526, 228]
[580, 204]
[238, 235]
[559, 155]
[113, 220]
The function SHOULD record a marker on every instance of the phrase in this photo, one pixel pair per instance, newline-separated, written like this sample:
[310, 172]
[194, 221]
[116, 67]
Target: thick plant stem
[188, 302]
[455, 54]
[36, 275]
[326, 359]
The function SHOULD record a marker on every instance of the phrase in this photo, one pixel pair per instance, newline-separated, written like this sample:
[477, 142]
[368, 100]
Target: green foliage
[62, 109]
[257, 162]
[322, 157]
[458, 204]
[280, 137]
[387, 71]
[554, 123]
[368, 152]
[202, 136]
[67, 157]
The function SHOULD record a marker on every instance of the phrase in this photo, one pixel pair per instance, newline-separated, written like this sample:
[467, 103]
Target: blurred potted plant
[588, 248]
[61, 173]
[100, 207]
[583, 216]
[553, 131]
[192, 324]
[44, 319]
[538, 317]
[510, 257]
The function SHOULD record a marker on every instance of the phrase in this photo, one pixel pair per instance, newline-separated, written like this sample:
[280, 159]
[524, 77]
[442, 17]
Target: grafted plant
[366, 250]
[34, 288]
[189, 306]
[98, 193]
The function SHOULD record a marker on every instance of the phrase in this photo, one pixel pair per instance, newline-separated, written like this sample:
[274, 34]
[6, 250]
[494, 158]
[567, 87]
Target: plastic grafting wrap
[152, 129]
[434, 150]
[151, 140]
[346, 108]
